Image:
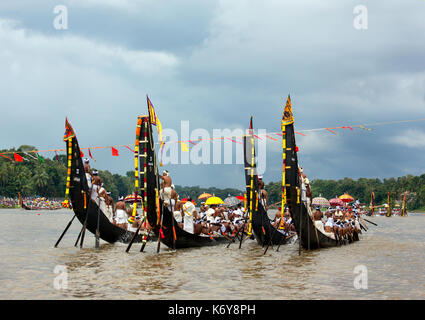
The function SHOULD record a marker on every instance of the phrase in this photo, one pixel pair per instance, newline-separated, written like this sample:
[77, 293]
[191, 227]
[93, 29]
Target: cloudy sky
[215, 64]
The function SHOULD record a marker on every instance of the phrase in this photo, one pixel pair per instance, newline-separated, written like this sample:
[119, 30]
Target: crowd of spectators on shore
[31, 202]
[6, 202]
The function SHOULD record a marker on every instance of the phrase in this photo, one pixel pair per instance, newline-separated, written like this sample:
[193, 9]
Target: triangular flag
[114, 152]
[69, 132]
[185, 147]
[154, 120]
[18, 158]
[57, 157]
[91, 155]
[250, 126]
[40, 158]
[287, 117]
[81, 154]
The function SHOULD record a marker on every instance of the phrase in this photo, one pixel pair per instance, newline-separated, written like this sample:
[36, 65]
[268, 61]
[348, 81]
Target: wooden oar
[160, 227]
[370, 222]
[288, 237]
[243, 231]
[135, 235]
[147, 239]
[78, 238]
[66, 229]
[271, 239]
[83, 229]
[233, 239]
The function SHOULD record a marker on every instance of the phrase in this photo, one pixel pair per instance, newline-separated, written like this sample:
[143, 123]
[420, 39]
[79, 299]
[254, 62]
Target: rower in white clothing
[190, 215]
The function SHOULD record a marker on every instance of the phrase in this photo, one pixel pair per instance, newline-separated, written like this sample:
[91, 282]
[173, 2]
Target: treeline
[361, 189]
[47, 177]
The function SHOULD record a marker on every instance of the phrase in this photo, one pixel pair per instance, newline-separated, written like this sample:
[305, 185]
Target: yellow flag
[185, 147]
[154, 120]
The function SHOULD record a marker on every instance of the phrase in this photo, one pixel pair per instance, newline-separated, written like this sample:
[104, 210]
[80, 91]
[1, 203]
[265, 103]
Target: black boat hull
[84, 207]
[264, 231]
[165, 221]
[183, 239]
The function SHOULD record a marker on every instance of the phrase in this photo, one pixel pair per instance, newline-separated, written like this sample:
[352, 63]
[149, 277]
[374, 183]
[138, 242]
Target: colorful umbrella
[130, 198]
[320, 201]
[231, 201]
[336, 202]
[214, 200]
[204, 196]
[346, 198]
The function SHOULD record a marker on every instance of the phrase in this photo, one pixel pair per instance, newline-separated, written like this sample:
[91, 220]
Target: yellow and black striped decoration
[287, 119]
[251, 186]
[136, 171]
[65, 203]
[282, 208]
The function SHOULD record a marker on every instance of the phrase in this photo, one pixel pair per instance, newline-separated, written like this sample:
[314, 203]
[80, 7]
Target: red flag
[81, 154]
[114, 152]
[90, 154]
[57, 157]
[250, 127]
[18, 158]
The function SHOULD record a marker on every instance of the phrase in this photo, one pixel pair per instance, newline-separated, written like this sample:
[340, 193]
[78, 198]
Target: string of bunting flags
[17, 155]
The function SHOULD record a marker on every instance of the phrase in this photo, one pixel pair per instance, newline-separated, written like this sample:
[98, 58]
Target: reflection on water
[393, 253]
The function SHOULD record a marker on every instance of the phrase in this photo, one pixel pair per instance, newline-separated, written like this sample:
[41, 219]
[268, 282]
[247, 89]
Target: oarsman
[97, 183]
[211, 213]
[219, 213]
[190, 215]
[121, 216]
[328, 214]
[317, 215]
[329, 225]
[178, 209]
[102, 192]
[306, 194]
[203, 212]
[166, 183]
[238, 211]
[263, 193]
[109, 206]
[173, 198]
[277, 218]
[86, 165]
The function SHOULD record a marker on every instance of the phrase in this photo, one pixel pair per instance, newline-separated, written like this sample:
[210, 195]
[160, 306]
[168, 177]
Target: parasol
[130, 198]
[231, 201]
[214, 200]
[204, 196]
[336, 202]
[346, 198]
[320, 201]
